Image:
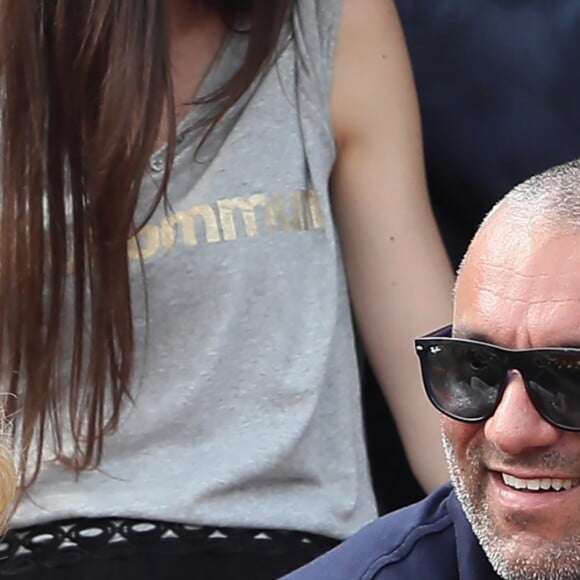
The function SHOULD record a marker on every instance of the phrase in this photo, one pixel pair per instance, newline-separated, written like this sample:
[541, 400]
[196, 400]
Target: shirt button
[157, 164]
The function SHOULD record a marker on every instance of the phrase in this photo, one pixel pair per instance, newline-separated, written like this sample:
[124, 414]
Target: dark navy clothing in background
[430, 540]
[499, 90]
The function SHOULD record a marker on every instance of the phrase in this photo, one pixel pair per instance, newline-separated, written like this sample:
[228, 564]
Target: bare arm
[399, 275]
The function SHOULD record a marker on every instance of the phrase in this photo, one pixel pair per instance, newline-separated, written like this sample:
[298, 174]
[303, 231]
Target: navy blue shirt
[499, 89]
[430, 539]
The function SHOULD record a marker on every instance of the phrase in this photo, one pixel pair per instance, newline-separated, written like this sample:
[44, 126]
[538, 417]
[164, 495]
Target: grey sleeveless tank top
[246, 404]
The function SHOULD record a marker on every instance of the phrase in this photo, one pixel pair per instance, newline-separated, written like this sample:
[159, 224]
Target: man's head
[518, 475]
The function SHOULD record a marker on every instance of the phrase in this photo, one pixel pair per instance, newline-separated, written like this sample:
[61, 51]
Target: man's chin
[514, 551]
[520, 555]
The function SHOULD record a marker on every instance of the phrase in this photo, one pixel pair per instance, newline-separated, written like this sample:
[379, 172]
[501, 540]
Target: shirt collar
[472, 563]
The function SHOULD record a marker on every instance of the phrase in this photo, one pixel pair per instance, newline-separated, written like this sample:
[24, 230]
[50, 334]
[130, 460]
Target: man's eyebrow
[467, 334]
[574, 345]
[478, 336]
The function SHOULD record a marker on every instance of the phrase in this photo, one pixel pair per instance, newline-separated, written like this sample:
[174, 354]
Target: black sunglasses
[466, 379]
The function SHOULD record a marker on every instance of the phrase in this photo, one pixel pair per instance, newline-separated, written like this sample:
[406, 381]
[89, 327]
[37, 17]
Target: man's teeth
[537, 484]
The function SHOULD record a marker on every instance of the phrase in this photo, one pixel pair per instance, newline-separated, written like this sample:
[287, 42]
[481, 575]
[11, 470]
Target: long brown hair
[84, 87]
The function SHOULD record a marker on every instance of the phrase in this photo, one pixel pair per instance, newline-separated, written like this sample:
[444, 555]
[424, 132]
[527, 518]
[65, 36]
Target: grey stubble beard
[558, 562]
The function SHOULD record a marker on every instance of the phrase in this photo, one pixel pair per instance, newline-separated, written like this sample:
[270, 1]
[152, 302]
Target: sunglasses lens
[554, 386]
[463, 380]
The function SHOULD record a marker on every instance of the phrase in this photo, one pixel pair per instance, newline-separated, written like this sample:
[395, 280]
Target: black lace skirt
[122, 549]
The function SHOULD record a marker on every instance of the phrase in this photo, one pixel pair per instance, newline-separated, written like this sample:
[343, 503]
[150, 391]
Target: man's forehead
[521, 282]
[508, 251]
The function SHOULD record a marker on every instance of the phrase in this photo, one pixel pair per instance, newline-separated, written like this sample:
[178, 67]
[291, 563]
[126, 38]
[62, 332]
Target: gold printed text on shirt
[230, 219]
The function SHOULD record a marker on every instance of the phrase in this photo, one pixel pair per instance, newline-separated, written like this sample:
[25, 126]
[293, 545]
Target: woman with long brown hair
[174, 319]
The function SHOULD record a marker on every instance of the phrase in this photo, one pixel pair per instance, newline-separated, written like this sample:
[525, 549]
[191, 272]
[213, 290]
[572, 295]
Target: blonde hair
[7, 483]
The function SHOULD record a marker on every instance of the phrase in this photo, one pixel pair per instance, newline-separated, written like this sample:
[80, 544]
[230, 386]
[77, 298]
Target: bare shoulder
[375, 13]
[372, 71]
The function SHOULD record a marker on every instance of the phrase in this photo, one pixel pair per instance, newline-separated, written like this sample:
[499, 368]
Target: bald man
[505, 377]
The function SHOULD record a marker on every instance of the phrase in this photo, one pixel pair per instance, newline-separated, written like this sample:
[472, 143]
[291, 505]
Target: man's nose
[516, 426]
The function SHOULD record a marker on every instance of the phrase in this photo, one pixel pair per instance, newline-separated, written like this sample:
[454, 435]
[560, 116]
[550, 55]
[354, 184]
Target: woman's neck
[196, 35]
